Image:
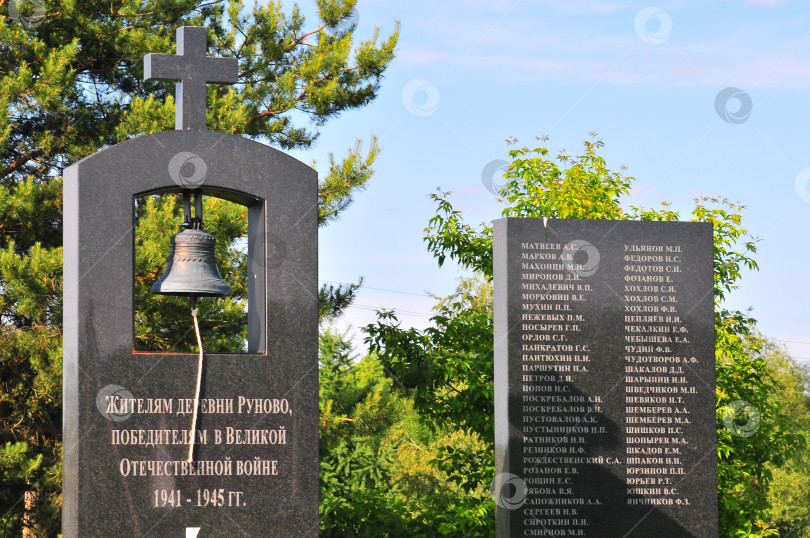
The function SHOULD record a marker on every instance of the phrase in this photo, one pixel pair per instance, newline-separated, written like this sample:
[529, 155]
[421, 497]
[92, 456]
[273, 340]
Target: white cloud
[640, 191]
[580, 7]
[418, 56]
[470, 188]
[562, 41]
[766, 3]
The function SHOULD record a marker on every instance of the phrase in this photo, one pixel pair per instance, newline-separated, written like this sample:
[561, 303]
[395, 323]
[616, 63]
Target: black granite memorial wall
[604, 378]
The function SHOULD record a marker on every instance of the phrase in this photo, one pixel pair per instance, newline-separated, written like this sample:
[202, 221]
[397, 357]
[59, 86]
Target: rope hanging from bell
[192, 271]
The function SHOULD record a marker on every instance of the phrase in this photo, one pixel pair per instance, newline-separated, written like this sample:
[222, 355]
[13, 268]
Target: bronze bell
[192, 267]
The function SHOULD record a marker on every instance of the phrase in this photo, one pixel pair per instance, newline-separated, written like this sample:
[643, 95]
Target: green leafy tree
[379, 462]
[71, 83]
[442, 369]
[357, 410]
[438, 367]
[789, 492]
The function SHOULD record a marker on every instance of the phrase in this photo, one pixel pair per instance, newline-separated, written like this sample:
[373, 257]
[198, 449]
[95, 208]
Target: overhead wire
[376, 308]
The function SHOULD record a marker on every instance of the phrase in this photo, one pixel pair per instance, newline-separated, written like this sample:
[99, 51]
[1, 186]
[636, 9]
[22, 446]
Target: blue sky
[649, 78]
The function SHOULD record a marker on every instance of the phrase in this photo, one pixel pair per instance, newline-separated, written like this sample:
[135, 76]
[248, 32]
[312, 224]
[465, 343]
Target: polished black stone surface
[126, 413]
[604, 379]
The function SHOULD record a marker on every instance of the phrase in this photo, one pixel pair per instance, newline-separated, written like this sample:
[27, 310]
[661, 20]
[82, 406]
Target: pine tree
[71, 83]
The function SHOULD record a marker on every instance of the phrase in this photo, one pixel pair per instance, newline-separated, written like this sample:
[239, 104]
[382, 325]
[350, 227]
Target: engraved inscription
[611, 378]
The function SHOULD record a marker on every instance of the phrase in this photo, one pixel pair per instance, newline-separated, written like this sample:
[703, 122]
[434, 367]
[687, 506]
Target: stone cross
[194, 70]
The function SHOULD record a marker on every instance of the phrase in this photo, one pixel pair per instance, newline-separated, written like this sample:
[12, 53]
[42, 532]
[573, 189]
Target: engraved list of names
[604, 378]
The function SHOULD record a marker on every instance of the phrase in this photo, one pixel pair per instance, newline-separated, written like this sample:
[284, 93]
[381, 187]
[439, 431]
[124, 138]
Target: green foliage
[333, 299]
[435, 365]
[449, 365]
[447, 370]
[357, 408]
[789, 492]
[789, 496]
[73, 85]
[536, 187]
[464, 461]
[583, 189]
[755, 435]
[30, 351]
[163, 323]
[383, 473]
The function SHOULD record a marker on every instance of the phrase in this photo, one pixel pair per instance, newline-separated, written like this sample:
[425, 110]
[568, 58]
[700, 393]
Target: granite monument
[127, 414]
[604, 379]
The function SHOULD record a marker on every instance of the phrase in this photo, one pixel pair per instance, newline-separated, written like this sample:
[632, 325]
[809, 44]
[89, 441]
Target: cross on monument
[269, 483]
[194, 70]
